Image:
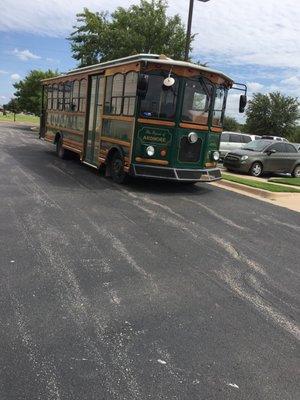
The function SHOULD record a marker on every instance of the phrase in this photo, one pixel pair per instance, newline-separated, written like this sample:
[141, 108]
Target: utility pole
[188, 29]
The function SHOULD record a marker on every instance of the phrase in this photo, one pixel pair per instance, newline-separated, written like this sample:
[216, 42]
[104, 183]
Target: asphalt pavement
[153, 290]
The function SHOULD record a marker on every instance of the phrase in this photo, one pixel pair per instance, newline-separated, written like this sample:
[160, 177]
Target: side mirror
[243, 103]
[142, 86]
[272, 151]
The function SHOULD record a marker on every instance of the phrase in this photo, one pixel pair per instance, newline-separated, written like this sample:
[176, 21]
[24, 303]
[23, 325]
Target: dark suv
[265, 156]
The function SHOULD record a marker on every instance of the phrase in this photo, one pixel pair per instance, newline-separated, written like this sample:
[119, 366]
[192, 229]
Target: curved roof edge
[159, 59]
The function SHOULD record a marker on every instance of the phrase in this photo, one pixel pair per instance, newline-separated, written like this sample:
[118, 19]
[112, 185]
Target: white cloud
[258, 32]
[3, 97]
[254, 86]
[25, 55]
[2, 72]
[15, 77]
[292, 81]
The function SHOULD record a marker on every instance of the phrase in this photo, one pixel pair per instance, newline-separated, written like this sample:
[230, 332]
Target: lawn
[30, 119]
[286, 181]
[271, 187]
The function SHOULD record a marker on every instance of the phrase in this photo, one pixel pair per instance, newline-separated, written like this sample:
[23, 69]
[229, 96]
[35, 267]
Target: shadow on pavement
[40, 159]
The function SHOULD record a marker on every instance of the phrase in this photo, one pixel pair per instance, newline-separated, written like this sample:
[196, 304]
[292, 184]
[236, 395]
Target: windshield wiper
[247, 148]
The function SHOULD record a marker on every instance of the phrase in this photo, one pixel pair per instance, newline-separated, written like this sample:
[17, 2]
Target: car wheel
[117, 168]
[256, 169]
[60, 151]
[296, 172]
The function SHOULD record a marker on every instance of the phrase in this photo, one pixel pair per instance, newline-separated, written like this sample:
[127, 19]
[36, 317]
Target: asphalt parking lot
[148, 291]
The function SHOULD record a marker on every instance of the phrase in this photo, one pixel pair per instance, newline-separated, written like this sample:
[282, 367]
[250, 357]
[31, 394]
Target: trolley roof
[158, 59]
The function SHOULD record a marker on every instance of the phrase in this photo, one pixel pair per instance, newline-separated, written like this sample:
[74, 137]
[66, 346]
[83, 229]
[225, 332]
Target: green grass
[286, 181]
[271, 187]
[30, 119]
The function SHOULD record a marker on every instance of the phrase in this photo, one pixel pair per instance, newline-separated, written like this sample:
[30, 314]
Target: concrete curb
[258, 192]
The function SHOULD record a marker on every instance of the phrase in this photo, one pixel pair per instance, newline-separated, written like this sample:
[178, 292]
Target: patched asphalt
[153, 290]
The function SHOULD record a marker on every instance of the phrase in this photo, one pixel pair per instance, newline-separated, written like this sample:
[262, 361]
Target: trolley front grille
[189, 152]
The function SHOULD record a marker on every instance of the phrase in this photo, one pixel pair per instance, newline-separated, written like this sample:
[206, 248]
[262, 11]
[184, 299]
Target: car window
[289, 148]
[225, 137]
[279, 147]
[236, 139]
[257, 137]
[246, 139]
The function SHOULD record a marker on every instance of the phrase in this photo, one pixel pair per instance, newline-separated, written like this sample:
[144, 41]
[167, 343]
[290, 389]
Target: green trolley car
[144, 115]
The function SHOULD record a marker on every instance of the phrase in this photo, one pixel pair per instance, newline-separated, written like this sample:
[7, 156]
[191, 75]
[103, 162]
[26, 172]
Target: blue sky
[255, 42]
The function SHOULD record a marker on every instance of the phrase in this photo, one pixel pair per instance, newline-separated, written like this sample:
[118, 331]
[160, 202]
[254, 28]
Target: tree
[12, 106]
[273, 114]
[29, 90]
[231, 124]
[142, 28]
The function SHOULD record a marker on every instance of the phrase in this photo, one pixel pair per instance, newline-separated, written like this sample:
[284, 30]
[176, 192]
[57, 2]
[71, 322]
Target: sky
[255, 42]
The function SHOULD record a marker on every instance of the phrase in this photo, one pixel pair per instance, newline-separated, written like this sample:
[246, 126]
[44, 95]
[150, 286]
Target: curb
[258, 192]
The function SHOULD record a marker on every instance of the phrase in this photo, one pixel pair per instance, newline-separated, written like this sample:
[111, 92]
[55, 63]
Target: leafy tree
[231, 124]
[142, 28]
[12, 106]
[29, 90]
[273, 114]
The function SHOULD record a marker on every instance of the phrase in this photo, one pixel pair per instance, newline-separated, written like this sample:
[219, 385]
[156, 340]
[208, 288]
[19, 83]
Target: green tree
[273, 114]
[29, 91]
[142, 28]
[231, 124]
[12, 106]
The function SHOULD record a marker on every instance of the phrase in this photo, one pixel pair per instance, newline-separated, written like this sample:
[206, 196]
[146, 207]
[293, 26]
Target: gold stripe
[118, 118]
[155, 122]
[117, 141]
[151, 161]
[193, 126]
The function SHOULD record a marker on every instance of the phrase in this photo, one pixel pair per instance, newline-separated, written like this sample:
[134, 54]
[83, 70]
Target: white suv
[279, 138]
[234, 140]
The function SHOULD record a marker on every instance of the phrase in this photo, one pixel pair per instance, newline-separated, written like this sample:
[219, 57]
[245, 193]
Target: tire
[116, 166]
[60, 151]
[256, 169]
[296, 172]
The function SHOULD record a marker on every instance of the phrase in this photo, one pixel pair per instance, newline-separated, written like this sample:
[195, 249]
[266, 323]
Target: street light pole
[188, 29]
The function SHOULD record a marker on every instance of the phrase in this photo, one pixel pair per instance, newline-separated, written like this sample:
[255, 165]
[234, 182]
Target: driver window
[197, 96]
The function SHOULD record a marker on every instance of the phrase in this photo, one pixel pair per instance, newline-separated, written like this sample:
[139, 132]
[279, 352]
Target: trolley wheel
[116, 167]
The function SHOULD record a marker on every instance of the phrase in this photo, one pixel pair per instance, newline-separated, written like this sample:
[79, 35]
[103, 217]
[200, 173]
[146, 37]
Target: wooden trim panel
[155, 122]
[118, 118]
[151, 161]
[193, 126]
[123, 69]
[60, 129]
[72, 149]
[113, 140]
[215, 129]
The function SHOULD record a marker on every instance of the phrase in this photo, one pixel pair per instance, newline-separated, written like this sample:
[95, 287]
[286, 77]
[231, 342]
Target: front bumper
[177, 174]
[237, 165]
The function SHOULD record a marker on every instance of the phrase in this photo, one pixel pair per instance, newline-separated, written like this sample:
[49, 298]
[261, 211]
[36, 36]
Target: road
[148, 291]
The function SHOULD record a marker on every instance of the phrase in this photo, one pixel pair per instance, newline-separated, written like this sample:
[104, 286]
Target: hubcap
[256, 169]
[297, 172]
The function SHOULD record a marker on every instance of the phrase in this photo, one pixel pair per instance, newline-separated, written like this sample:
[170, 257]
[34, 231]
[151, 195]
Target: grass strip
[271, 187]
[286, 181]
[32, 119]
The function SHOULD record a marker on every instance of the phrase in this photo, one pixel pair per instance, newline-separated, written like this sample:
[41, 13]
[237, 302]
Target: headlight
[150, 151]
[243, 158]
[216, 155]
[192, 137]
